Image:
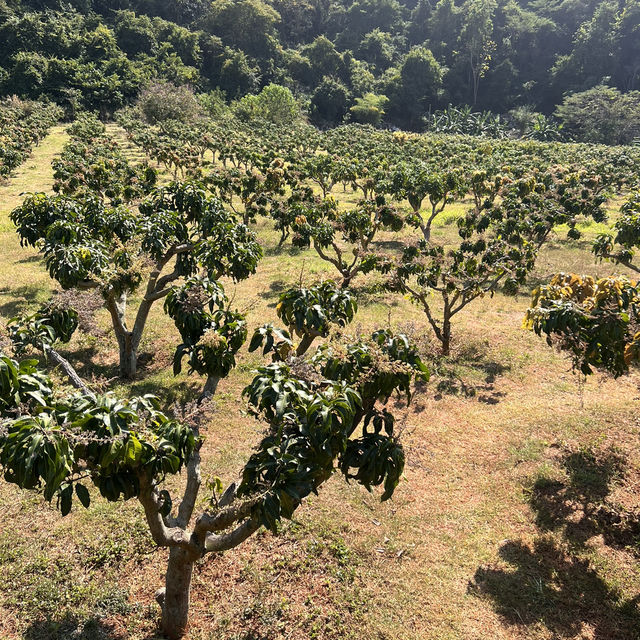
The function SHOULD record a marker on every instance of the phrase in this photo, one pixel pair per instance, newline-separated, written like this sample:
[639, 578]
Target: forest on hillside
[398, 62]
[319, 320]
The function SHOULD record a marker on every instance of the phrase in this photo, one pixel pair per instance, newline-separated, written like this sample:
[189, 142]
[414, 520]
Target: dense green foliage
[22, 125]
[365, 59]
[58, 444]
[52, 322]
[621, 247]
[309, 313]
[521, 191]
[595, 322]
[111, 229]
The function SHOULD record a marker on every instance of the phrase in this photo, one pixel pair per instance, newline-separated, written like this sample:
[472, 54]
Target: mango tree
[309, 313]
[211, 333]
[499, 243]
[596, 322]
[254, 190]
[93, 162]
[621, 248]
[318, 168]
[345, 238]
[322, 416]
[416, 181]
[176, 231]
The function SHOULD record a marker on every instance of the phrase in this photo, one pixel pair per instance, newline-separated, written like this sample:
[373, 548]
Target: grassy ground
[497, 531]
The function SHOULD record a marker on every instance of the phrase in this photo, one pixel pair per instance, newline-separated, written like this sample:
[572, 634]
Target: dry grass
[486, 537]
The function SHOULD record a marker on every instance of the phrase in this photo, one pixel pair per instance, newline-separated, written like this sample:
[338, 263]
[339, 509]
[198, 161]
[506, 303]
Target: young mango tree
[499, 243]
[176, 231]
[310, 312]
[344, 238]
[323, 416]
[286, 212]
[211, 333]
[416, 181]
[596, 322]
[254, 190]
[621, 248]
[318, 168]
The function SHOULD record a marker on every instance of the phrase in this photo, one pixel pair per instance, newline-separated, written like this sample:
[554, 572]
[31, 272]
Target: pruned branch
[70, 372]
[225, 541]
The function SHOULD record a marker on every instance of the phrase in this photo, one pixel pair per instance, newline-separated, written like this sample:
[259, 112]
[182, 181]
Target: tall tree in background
[414, 90]
[594, 52]
[475, 40]
[628, 71]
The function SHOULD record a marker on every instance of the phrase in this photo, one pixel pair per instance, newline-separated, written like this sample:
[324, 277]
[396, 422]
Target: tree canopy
[420, 56]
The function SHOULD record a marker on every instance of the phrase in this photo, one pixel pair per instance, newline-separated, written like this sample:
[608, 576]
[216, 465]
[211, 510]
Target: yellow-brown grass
[461, 552]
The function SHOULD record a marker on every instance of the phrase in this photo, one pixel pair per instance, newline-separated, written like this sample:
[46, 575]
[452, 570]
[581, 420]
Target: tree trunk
[128, 356]
[305, 343]
[426, 227]
[446, 331]
[283, 237]
[175, 599]
[209, 388]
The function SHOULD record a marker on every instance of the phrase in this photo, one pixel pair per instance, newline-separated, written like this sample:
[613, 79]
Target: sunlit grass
[430, 564]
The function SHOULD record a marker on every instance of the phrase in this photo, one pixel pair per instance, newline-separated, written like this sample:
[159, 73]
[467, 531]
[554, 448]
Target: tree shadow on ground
[180, 393]
[84, 360]
[72, 627]
[547, 584]
[275, 288]
[580, 507]
[476, 362]
[369, 293]
[470, 371]
[21, 299]
[286, 249]
[451, 383]
[553, 582]
[390, 245]
[31, 259]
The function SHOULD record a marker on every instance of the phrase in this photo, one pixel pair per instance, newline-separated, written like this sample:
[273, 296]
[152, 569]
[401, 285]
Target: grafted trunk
[128, 356]
[175, 598]
[305, 343]
[209, 389]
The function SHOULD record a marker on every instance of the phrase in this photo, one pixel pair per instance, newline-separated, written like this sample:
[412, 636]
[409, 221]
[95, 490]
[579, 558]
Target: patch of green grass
[530, 450]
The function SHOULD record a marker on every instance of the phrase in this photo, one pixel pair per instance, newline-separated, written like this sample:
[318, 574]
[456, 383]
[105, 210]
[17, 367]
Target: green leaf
[167, 503]
[133, 451]
[83, 495]
[66, 496]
